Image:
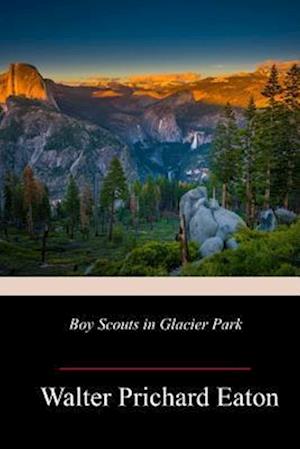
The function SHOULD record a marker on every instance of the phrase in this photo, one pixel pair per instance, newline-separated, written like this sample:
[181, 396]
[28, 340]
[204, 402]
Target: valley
[158, 175]
[147, 120]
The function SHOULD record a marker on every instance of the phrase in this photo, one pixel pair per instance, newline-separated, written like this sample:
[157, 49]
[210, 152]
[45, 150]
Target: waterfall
[195, 142]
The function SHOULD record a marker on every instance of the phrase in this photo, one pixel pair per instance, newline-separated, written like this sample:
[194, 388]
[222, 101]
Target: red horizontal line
[154, 369]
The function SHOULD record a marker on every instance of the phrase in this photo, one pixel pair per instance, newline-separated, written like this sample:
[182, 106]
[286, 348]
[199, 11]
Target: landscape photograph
[153, 138]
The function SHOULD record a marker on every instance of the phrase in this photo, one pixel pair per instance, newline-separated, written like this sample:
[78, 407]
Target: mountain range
[159, 124]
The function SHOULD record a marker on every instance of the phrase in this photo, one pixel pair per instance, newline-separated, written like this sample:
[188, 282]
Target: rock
[24, 80]
[231, 244]
[202, 225]
[206, 219]
[190, 201]
[228, 219]
[162, 128]
[285, 216]
[224, 232]
[211, 246]
[267, 221]
[213, 204]
[159, 120]
[201, 202]
[194, 195]
[57, 145]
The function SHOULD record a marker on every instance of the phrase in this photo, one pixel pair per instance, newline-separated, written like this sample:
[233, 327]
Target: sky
[70, 39]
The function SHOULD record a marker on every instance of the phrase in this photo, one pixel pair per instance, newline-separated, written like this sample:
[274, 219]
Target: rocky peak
[178, 99]
[24, 80]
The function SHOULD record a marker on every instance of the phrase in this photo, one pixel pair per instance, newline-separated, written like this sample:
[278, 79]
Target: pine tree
[271, 91]
[86, 209]
[9, 191]
[248, 160]
[72, 205]
[32, 196]
[42, 209]
[226, 152]
[291, 98]
[150, 201]
[114, 188]
[168, 194]
[134, 203]
[273, 88]
[291, 91]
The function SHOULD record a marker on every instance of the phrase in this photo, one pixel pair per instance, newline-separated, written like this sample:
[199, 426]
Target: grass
[259, 253]
[21, 256]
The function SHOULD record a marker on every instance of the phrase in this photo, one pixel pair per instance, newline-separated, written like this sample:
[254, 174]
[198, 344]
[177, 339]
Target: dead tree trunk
[224, 195]
[44, 243]
[183, 240]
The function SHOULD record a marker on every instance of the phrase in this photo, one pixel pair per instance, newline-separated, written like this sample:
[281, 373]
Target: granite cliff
[24, 80]
[56, 145]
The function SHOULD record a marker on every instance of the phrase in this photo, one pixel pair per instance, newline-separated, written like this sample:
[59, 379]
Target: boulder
[228, 220]
[211, 246]
[201, 202]
[202, 225]
[267, 221]
[285, 216]
[224, 232]
[207, 223]
[213, 204]
[231, 244]
[191, 201]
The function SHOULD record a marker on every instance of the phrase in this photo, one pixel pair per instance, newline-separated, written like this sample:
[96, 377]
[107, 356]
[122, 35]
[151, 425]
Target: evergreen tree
[225, 155]
[86, 209]
[291, 91]
[270, 130]
[150, 201]
[273, 88]
[33, 194]
[291, 97]
[114, 188]
[72, 206]
[134, 204]
[13, 201]
[42, 210]
[168, 194]
[248, 161]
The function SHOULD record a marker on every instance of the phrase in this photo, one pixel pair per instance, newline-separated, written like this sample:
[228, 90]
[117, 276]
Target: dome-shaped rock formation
[24, 80]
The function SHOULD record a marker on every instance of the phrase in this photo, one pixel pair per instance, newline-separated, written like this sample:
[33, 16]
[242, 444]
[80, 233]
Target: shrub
[259, 254]
[105, 267]
[151, 259]
[155, 254]
[194, 251]
[142, 270]
[155, 259]
[286, 269]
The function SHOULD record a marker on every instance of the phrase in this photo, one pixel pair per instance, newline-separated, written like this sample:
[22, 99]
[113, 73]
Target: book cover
[149, 195]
